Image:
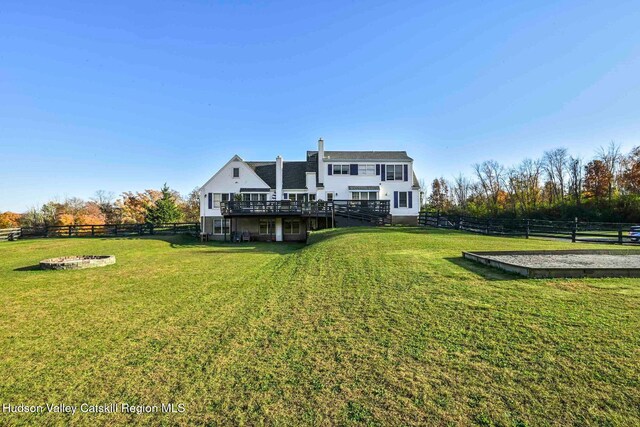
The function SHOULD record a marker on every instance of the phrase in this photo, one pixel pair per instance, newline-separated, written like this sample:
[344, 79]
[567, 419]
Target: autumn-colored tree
[597, 180]
[9, 220]
[105, 202]
[439, 197]
[191, 206]
[133, 206]
[630, 176]
[91, 215]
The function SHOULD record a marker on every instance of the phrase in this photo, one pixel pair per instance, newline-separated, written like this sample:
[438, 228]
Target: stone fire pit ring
[77, 262]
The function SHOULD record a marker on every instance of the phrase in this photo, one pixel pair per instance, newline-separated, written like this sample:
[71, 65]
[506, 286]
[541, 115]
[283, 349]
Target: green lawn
[382, 326]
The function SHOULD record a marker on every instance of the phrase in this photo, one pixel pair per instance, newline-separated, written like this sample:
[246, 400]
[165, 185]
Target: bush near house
[384, 326]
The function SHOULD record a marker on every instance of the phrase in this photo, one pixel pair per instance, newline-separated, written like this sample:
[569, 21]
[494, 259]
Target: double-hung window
[220, 226]
[402, 199]
[394, 173]
[291, 226]
[366, 169]
[219, 197]
[364, 195]
[267, 226]
[236, 172]
[341, 170]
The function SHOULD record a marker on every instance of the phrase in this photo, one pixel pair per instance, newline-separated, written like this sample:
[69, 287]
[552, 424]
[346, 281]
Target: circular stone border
[77, 262]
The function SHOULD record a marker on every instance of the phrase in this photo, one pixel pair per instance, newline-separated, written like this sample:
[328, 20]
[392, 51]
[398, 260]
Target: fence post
[619, 234]
[93, 231]
[438, 218]
[69, 231]
[527, 230]
[458, 221]
[175, 228]
[575, 230]
[486, 226]
[115, 229]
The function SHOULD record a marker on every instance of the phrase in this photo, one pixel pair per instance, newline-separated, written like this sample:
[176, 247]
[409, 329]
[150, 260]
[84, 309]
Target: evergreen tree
[165, 209]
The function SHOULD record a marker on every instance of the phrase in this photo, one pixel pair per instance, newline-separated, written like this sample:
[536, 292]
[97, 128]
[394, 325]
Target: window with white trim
[364, 195]
[297, 197]
[254, 197]
[291, 226]
[267, 226]
[218, 224]
[341, 170]
[366, 169]
[394, 173]
[219, 197]
[236, 172]
[403, 198]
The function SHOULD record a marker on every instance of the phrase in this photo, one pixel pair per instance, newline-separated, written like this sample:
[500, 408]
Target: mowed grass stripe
[363, 326]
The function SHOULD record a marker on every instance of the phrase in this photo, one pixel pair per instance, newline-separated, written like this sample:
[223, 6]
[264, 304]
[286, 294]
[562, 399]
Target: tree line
[149, 206]
[557, 185]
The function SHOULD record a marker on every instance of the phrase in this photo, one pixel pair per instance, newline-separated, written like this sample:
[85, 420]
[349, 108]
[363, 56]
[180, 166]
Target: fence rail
[10, 233]
[109, 230]
[576, 231]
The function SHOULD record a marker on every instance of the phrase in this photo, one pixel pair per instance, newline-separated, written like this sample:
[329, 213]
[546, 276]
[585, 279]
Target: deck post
[619, 234]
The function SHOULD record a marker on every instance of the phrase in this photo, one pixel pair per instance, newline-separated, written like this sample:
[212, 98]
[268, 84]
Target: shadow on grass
[253, 247]
[486, 272]
[35, 267]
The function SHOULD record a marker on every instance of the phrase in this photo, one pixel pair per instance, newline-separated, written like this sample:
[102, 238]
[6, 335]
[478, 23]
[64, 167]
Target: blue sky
[129, 95]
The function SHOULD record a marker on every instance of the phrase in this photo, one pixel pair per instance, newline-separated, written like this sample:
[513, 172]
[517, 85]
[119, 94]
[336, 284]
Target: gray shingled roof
[312, 165]
[367, 155]
[293, 173]
[416, 183]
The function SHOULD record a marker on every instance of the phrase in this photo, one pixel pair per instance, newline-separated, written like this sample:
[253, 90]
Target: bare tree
[612, 158]
[490, 176]
[576, 178]
[554, 164]
[524, 185]
[423, 195]
[106, 202]
[461, 191]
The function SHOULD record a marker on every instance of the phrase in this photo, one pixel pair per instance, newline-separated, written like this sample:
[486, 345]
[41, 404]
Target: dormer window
[236, 172]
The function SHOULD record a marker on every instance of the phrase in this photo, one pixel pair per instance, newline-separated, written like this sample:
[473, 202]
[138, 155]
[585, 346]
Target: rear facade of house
[283, 200]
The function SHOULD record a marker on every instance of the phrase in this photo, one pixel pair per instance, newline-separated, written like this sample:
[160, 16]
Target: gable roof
[235, 158]
[293, 174]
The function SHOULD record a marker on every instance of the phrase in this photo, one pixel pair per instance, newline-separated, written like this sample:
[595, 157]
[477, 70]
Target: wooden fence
[10, 233]
[576, 231]
[109, 230]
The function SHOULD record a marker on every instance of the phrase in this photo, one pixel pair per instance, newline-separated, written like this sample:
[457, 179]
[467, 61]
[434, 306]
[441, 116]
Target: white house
[281, 200]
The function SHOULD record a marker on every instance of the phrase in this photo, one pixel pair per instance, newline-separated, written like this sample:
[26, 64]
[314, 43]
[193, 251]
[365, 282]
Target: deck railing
[380, 207]
[281, 207]
[291, 207]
